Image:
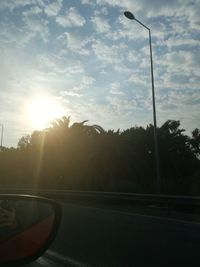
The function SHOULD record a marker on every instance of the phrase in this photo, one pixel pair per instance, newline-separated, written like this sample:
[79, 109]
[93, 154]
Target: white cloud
[115, 89]
[35, 24]
[12, 4]
[75, 43]
[113, 3]
[177, 41]
[58, 66]
[70, 93]
[182, 15]
[21, 34]
[122, 69]
[127, 29]
[71, 19]
[81, 88]
[178, 64]
[133, 56]
[87, 80]
[109, 54]
[101, 11]
[34, 10]
[53, 8]
[88, 2]
[154, 8]
[84, 84]
[139, 79]
[101, 25]
[179, 102]
[11, 34]
[121, 105]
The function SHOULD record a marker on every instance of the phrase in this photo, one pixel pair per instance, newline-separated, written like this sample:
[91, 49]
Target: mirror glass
[25, 227]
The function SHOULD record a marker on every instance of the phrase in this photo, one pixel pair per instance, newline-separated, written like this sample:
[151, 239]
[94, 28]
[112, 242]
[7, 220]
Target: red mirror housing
[28, 225]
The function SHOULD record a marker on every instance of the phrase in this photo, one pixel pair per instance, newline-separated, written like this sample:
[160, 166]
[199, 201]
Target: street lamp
[130, 16]
[1, 136]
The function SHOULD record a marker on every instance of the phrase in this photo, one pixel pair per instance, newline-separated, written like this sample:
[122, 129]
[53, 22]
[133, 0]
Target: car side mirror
[28, 225]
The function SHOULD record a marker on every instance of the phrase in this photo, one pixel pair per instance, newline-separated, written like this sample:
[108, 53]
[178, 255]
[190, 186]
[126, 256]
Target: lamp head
[129, 15]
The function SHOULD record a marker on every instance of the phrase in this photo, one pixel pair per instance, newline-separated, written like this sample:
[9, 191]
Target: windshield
[102, 97]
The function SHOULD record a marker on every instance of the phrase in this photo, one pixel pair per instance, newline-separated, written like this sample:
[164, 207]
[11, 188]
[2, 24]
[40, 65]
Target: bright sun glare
[42, 111]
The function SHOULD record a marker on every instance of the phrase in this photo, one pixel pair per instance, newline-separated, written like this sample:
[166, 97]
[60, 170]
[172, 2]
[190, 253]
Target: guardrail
[173, 199]
[169, 202]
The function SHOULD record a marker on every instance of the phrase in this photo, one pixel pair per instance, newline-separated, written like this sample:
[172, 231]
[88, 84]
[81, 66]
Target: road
[91, 236]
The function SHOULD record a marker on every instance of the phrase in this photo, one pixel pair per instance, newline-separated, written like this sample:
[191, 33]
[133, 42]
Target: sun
[42, 111]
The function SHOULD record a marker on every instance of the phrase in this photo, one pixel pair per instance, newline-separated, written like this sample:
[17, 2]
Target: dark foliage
[84, 157]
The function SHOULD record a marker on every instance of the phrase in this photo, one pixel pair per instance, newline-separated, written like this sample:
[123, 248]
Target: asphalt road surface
[91, 236]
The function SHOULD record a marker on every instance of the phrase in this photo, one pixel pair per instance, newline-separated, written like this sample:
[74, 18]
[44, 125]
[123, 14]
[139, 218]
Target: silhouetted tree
[86, 157]
[195, 141]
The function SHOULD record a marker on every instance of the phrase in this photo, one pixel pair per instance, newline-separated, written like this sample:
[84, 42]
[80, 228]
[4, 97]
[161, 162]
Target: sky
[84, 59]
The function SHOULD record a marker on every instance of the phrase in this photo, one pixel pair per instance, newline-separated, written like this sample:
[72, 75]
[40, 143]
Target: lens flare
[42, 111]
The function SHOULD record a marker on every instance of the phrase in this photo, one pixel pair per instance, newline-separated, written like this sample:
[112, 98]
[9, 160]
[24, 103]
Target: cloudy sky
[83, 58]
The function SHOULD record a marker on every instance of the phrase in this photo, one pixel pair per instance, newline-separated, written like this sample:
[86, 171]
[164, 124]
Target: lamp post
[130, 16]
[1, 135]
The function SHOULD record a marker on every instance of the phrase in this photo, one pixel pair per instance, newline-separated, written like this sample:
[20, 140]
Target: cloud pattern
[95, 62]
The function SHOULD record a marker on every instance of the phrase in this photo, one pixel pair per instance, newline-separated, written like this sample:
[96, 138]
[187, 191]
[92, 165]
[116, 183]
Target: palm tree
[195, 141]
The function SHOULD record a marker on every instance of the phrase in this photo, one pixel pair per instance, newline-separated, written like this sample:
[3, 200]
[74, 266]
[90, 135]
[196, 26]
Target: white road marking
[63, 260]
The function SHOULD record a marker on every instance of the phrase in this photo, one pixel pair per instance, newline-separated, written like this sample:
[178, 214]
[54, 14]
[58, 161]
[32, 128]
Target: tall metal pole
[155, 121]
[129, 15]
[1, 136]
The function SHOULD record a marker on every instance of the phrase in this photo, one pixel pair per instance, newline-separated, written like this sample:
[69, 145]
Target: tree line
[87, 157]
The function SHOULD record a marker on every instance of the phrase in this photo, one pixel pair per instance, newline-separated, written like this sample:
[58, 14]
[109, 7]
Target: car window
[100, 111]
